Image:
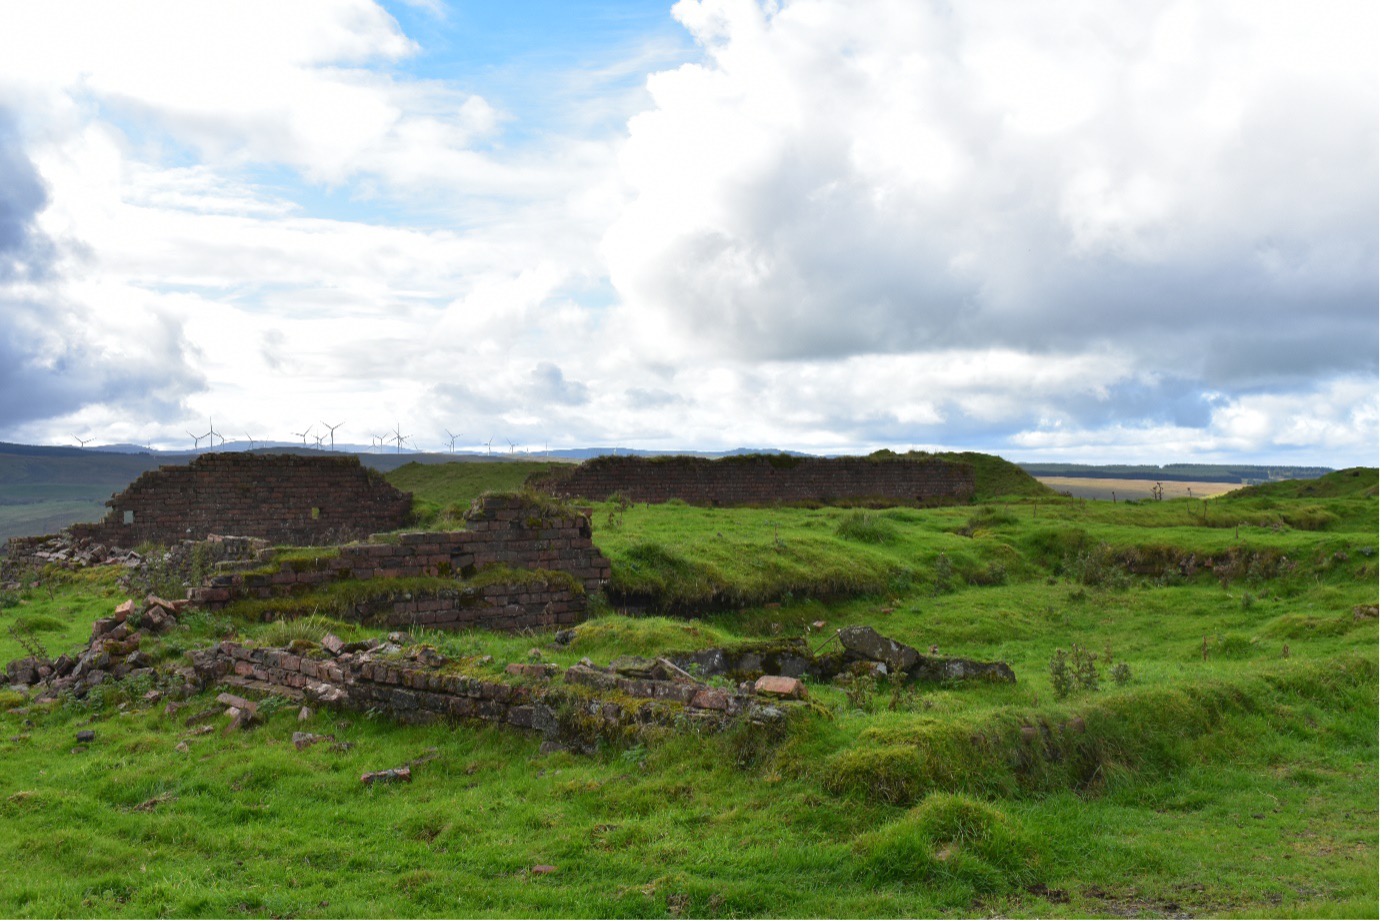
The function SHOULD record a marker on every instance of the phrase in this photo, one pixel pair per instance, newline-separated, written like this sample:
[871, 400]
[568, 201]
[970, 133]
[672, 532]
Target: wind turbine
[453, 438]
[333, 433]
[304, 436]
[399, 439]
[487, 445]
[83, 442]
[319, 439]
[250, 440]
[511, 445]
[213, 435]
[196, 439]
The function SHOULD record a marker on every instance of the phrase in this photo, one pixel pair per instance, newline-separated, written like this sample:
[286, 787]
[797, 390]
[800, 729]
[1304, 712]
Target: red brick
[780, 686]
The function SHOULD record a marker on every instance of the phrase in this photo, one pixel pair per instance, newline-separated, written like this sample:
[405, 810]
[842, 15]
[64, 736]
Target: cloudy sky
[1086, 231]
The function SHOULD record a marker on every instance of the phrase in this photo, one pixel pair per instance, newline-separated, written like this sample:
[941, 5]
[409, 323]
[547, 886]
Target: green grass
[58, 611]
[674, 557]
[1235, 774]
[442, 492]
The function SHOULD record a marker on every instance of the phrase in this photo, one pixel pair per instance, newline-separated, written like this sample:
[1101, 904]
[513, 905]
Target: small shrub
[1121, 674]
[272, 704]
[902, 696]
[1097, 567]
[1085, 668]
[27, 639]
[860, 693]
[1060, 674]
[619, 505]
[1077, 670]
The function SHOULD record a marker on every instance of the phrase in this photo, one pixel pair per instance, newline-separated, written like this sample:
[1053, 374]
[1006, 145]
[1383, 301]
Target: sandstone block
[780, 686]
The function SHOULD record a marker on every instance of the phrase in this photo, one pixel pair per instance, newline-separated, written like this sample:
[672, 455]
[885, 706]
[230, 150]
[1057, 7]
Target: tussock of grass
[949, 839]
[609, 636]
[869, 528]
[283, 633]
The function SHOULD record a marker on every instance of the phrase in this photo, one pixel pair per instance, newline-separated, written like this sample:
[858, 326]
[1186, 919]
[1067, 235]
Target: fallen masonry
[62, 550]
[112, 653]
[575, 709]
[863, 650]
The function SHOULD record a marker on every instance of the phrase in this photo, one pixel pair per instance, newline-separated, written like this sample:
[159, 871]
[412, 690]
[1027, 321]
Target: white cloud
[841, 179]
[1134, 228]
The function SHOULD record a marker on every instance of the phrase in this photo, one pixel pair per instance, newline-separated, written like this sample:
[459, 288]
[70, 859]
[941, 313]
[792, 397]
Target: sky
[1141, 232]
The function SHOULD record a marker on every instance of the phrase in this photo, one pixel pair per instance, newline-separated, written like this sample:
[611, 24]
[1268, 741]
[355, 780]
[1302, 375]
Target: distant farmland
[1103, 487]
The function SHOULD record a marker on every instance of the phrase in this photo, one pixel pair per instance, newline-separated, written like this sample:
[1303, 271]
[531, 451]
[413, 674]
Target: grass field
[1233, 773]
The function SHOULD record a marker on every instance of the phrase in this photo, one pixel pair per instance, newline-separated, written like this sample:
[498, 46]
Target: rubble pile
[575, 709]
[62, 550]
[113, 652]
[862, 650]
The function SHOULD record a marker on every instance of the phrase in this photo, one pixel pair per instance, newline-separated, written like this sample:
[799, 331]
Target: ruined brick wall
[554, 551]
[291, 499]
[763, 480]
[530, 696]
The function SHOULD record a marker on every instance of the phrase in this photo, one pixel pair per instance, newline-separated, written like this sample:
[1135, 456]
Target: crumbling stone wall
[292, 499]
[549, 554]
[764, 480]
[576, 709]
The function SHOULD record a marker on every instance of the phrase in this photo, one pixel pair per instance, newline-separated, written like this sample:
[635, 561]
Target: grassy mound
[996, 478]
[453, 486]
[1351, 483]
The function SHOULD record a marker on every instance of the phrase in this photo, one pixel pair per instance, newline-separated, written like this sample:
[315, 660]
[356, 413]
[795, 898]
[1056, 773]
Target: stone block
[780, 686]
[712, 699]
